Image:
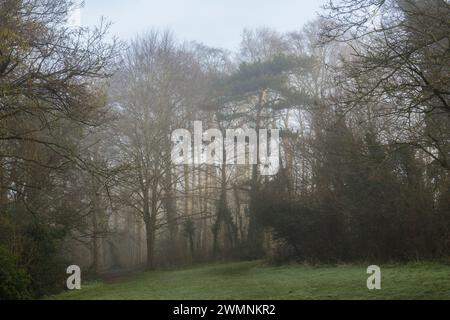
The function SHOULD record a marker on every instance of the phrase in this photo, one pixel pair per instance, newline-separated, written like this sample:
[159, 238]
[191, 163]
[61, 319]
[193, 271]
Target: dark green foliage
[14, 280]
[38, 251]
[42, 258]
[272, 74]
[224, 226]
[370, 202]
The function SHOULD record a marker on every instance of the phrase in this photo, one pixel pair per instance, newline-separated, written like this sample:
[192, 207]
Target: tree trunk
[149, 230]
[255, 233]
[171, 216]
[150, 246]
[95, 245]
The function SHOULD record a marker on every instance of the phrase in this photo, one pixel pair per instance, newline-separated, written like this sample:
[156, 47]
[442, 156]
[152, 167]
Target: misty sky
[216, 23]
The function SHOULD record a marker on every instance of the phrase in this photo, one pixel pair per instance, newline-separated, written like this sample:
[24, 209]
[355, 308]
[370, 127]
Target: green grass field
[254, 280]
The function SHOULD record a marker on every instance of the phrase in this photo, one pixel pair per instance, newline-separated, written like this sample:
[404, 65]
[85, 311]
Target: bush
[14, 281]
[43, 260]
[39, 251]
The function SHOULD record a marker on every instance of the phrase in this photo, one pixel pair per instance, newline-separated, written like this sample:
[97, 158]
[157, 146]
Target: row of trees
[51, 96]
[360, 96]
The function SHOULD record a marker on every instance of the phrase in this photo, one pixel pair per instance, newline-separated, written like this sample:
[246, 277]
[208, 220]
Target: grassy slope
[252, 280]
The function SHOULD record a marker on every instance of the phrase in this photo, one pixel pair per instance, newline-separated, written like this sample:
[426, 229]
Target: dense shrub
[374, 214]
[38, 252]
[14, 280]
[43, 260]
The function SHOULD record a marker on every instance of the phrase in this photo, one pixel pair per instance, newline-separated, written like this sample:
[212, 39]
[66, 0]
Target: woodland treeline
[361, 96]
